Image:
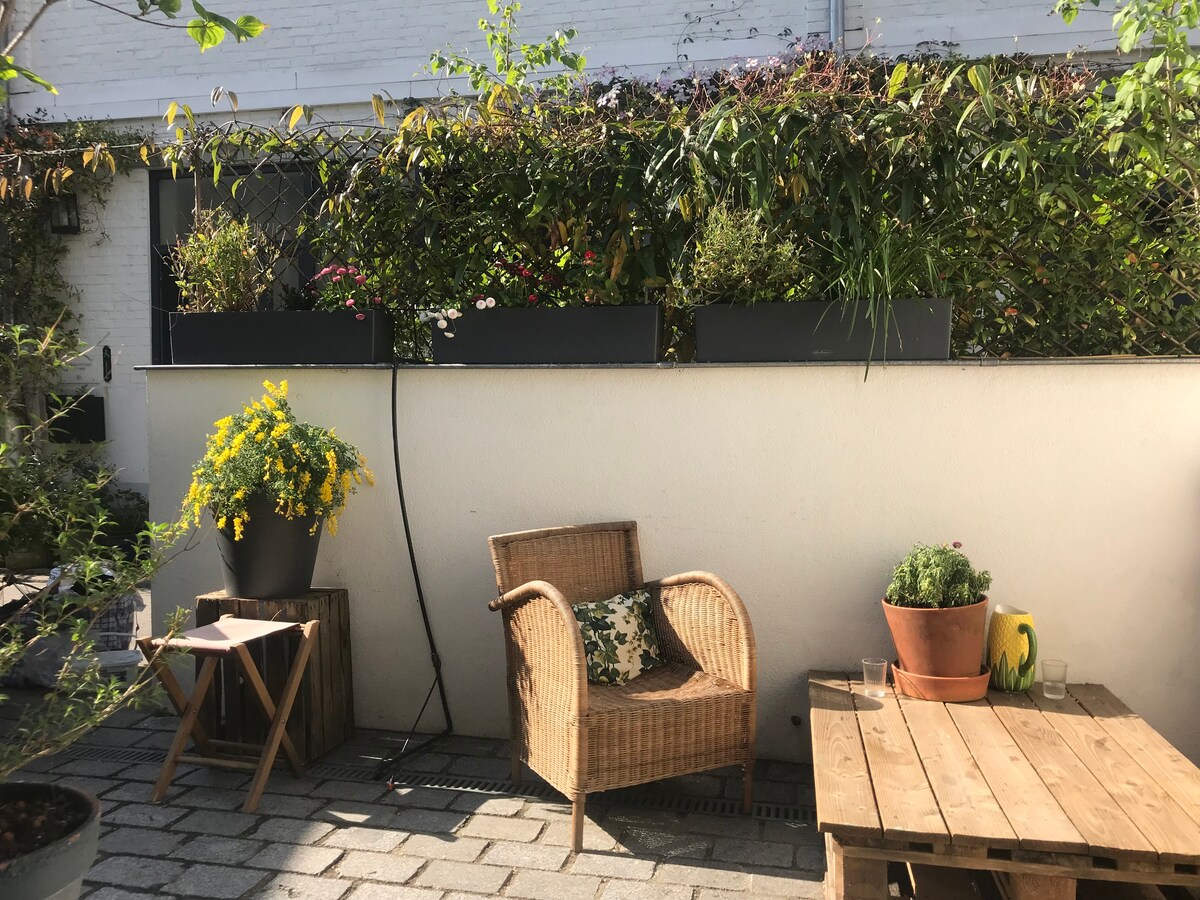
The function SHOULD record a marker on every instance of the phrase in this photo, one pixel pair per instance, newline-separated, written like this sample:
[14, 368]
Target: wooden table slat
[1108, 831]
[1039, 822]
[972, 815]
[845, 798]
[1171, 831]
[1173, 771]
[907, 807]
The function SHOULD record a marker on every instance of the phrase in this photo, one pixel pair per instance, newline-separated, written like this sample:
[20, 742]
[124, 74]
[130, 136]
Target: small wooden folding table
[227, 639]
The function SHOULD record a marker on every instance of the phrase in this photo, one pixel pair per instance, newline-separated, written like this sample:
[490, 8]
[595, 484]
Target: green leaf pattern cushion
[618, 638]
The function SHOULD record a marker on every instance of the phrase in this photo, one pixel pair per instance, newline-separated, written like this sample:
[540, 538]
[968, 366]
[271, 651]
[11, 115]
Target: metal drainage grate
[535, 790]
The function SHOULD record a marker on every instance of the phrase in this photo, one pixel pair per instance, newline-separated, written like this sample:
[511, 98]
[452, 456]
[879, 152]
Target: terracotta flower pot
[944, 643]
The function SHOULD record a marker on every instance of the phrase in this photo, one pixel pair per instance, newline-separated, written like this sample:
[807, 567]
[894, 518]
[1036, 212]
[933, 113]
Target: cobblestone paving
[353, 840]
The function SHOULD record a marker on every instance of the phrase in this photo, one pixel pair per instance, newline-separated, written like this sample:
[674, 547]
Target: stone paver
[553, 886]
[349, 790]
[356, 812]
[700, 874]
[428, 798]
[463, 877]
[453, 847]
[115, 893]
[211, 798]
[609, 865]
[213, 821]
[287, 805]
[393, 892]
[787, 883]
[639, 890]
[526, 856]
[501, 828]
[140, 841]
[294, 858]
[134, 871]
[757, 853]
[211, 849]
[215, 881]
[429, 820]
[378, 866]
[594, 837]
[490, 806]
[377, 839]
[291, 831]
[145, 815]
[303, 887]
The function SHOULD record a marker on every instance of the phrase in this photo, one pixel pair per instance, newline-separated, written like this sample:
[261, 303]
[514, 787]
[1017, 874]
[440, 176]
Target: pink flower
[956, 544]
[361, 316]
[350, 302]
[342, 270]
[325, 271]
[378, 299]
[360, 279]
[352, 271]
[336, 278]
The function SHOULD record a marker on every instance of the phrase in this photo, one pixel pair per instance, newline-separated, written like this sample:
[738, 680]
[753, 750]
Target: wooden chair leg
[849, 878]
[162, 671]
[747, 788]
[278, 732]
[259, 689]
[577, 820]
[186, 724]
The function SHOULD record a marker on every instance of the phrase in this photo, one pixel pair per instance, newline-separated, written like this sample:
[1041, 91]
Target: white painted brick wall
[109, 264]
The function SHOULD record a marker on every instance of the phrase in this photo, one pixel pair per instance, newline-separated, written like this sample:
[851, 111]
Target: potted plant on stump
[271, 482]
[936, 607]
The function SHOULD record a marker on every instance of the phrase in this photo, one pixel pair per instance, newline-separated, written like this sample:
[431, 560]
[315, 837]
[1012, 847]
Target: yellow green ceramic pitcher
[1012, 649]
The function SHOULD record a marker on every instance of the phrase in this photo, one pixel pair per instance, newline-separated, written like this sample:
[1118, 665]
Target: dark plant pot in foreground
[812, 330]
[943, 643]
[275, 558]
[281, 338]
[55, 871]
[569, 334]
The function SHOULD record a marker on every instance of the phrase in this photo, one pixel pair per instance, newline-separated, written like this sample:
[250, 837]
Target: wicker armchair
[697, 712]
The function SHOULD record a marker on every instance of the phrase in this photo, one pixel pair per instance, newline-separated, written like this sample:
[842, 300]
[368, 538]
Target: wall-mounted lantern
[64, 213]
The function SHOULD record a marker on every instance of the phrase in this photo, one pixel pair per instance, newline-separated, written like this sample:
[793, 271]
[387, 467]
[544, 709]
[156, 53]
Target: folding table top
[222, 636]
[1013, 773]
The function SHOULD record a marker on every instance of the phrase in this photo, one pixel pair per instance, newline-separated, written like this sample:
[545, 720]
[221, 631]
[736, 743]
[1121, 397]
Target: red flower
[589, 255]
[1010, 311]
[533, 298]
[361, 316]
[378, 299]
[360, 279]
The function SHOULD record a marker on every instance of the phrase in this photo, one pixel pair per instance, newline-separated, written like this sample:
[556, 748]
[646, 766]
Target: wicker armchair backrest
[585, 562]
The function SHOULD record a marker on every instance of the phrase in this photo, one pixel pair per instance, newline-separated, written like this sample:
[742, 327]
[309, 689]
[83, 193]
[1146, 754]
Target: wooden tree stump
[323, 716]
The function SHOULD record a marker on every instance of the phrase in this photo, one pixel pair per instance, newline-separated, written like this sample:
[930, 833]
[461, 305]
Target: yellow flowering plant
[264, 450]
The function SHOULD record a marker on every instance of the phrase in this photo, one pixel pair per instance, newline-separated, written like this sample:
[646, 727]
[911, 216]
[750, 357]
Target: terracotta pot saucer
[943, 690]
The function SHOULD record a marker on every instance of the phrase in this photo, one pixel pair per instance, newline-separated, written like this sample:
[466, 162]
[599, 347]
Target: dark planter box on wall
[811, 330]
[281, 338]
[563, 335]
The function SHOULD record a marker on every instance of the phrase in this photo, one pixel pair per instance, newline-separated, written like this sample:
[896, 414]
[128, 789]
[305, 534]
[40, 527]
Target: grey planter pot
[56, 871]
[814, 330]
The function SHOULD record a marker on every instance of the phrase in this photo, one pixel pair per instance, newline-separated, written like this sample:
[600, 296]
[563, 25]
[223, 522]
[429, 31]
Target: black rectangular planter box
[809, 330]
[82, 423]
[564, 335]
[281, 338]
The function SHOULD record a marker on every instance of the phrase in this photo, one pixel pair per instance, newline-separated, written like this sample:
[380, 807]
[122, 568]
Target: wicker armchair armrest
[701, 622]
[544, 648]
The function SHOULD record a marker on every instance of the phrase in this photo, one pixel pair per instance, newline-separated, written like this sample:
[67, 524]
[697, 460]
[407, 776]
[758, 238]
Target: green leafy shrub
[737, 260]
[936, 578]
[224, 265]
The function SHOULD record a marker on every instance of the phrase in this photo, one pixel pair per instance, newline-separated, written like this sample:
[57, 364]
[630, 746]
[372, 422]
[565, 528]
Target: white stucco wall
[1075, 484]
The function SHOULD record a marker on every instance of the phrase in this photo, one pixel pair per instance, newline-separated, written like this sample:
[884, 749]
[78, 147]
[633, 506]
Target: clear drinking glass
[875, 677]
[1054, 679]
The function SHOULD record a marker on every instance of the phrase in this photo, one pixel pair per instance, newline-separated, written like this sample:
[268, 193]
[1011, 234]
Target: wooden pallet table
[1042, 792]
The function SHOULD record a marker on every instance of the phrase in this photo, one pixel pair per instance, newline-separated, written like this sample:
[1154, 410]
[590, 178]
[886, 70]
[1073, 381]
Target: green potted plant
[866, 295]
[270, 483]
[224, 270]
[936, 608]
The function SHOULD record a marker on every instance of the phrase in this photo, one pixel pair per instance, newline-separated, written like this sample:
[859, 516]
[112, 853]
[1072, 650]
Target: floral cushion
[618, 638]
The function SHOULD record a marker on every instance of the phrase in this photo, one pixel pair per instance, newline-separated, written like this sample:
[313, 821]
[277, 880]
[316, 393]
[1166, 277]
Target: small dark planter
[275, 558]
[570, 334]
[281, 338]
[811, 330]
[56, 871]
